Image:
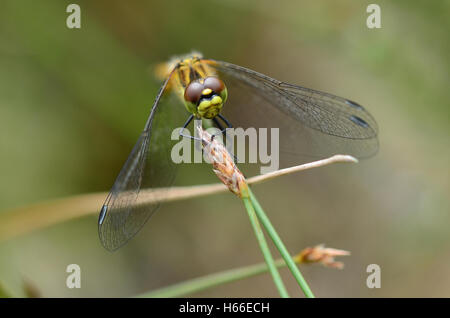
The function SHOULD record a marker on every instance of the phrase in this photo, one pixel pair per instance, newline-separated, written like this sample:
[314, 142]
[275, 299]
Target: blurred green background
[73, 102]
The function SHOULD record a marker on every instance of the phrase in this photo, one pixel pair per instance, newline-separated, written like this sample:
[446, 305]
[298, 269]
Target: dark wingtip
[353, 104]
[102, 214]
[359, 121]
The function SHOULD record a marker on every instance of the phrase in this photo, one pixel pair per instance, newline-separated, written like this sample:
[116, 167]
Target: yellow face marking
[216, 100]
[210, 108]
[206, 91]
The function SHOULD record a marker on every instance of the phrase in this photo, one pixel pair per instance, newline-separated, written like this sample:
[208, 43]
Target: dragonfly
[311, 124]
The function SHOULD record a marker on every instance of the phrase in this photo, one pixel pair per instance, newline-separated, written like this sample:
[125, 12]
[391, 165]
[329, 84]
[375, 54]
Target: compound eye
[193, 92]
[214, 83]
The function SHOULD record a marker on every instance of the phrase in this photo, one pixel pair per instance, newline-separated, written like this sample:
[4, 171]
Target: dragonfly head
[205, 97]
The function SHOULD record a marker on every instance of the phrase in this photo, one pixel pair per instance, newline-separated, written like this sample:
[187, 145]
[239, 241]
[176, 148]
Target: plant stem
[209, 281]
[280, 246]
[31, 217]
[265, 248]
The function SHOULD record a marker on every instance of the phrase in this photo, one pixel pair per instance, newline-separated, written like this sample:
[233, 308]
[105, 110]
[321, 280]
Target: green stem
[209, 281]
[280, 246]
[265, 248]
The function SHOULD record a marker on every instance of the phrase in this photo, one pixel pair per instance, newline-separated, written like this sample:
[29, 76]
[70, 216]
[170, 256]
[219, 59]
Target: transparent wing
[311, 123]
[148, 167]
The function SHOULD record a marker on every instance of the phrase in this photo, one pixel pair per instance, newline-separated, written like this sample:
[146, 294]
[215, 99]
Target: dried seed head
[321, 254]
[223, 164]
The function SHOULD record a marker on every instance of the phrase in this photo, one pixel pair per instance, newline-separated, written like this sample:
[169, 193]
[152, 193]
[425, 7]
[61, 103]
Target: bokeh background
[73, 102]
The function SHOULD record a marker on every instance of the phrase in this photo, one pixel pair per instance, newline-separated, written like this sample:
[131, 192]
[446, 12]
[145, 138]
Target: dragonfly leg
[188, 121]
[219, 125]
[223, 130]
[225, 121]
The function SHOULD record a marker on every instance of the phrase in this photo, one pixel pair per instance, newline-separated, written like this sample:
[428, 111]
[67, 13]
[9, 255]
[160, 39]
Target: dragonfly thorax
[205, 97]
